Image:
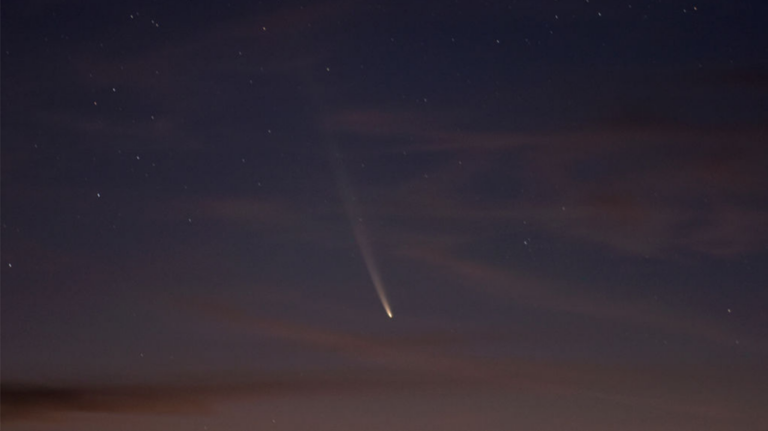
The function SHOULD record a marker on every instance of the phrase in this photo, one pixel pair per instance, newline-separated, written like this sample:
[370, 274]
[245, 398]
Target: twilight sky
[207, 207]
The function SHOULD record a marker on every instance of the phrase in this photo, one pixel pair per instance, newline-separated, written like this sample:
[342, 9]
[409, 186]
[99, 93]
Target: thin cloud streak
[686, 197]
[537, 293]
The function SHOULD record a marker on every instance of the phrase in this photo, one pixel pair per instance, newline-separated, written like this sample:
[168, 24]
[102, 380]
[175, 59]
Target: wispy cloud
[545, 294]
[55, 403]
[687, 195]
[377, 364]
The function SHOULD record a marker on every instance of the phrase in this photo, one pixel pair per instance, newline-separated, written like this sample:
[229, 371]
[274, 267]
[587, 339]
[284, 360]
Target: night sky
[208, 209]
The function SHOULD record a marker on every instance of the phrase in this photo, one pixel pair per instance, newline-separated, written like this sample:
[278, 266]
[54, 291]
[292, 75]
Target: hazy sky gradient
[566, 201]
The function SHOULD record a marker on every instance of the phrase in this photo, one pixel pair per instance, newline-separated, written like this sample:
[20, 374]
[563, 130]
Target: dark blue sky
[565, 200]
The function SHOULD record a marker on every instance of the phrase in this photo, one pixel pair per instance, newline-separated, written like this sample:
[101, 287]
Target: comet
[358, 228]
[370, 263]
